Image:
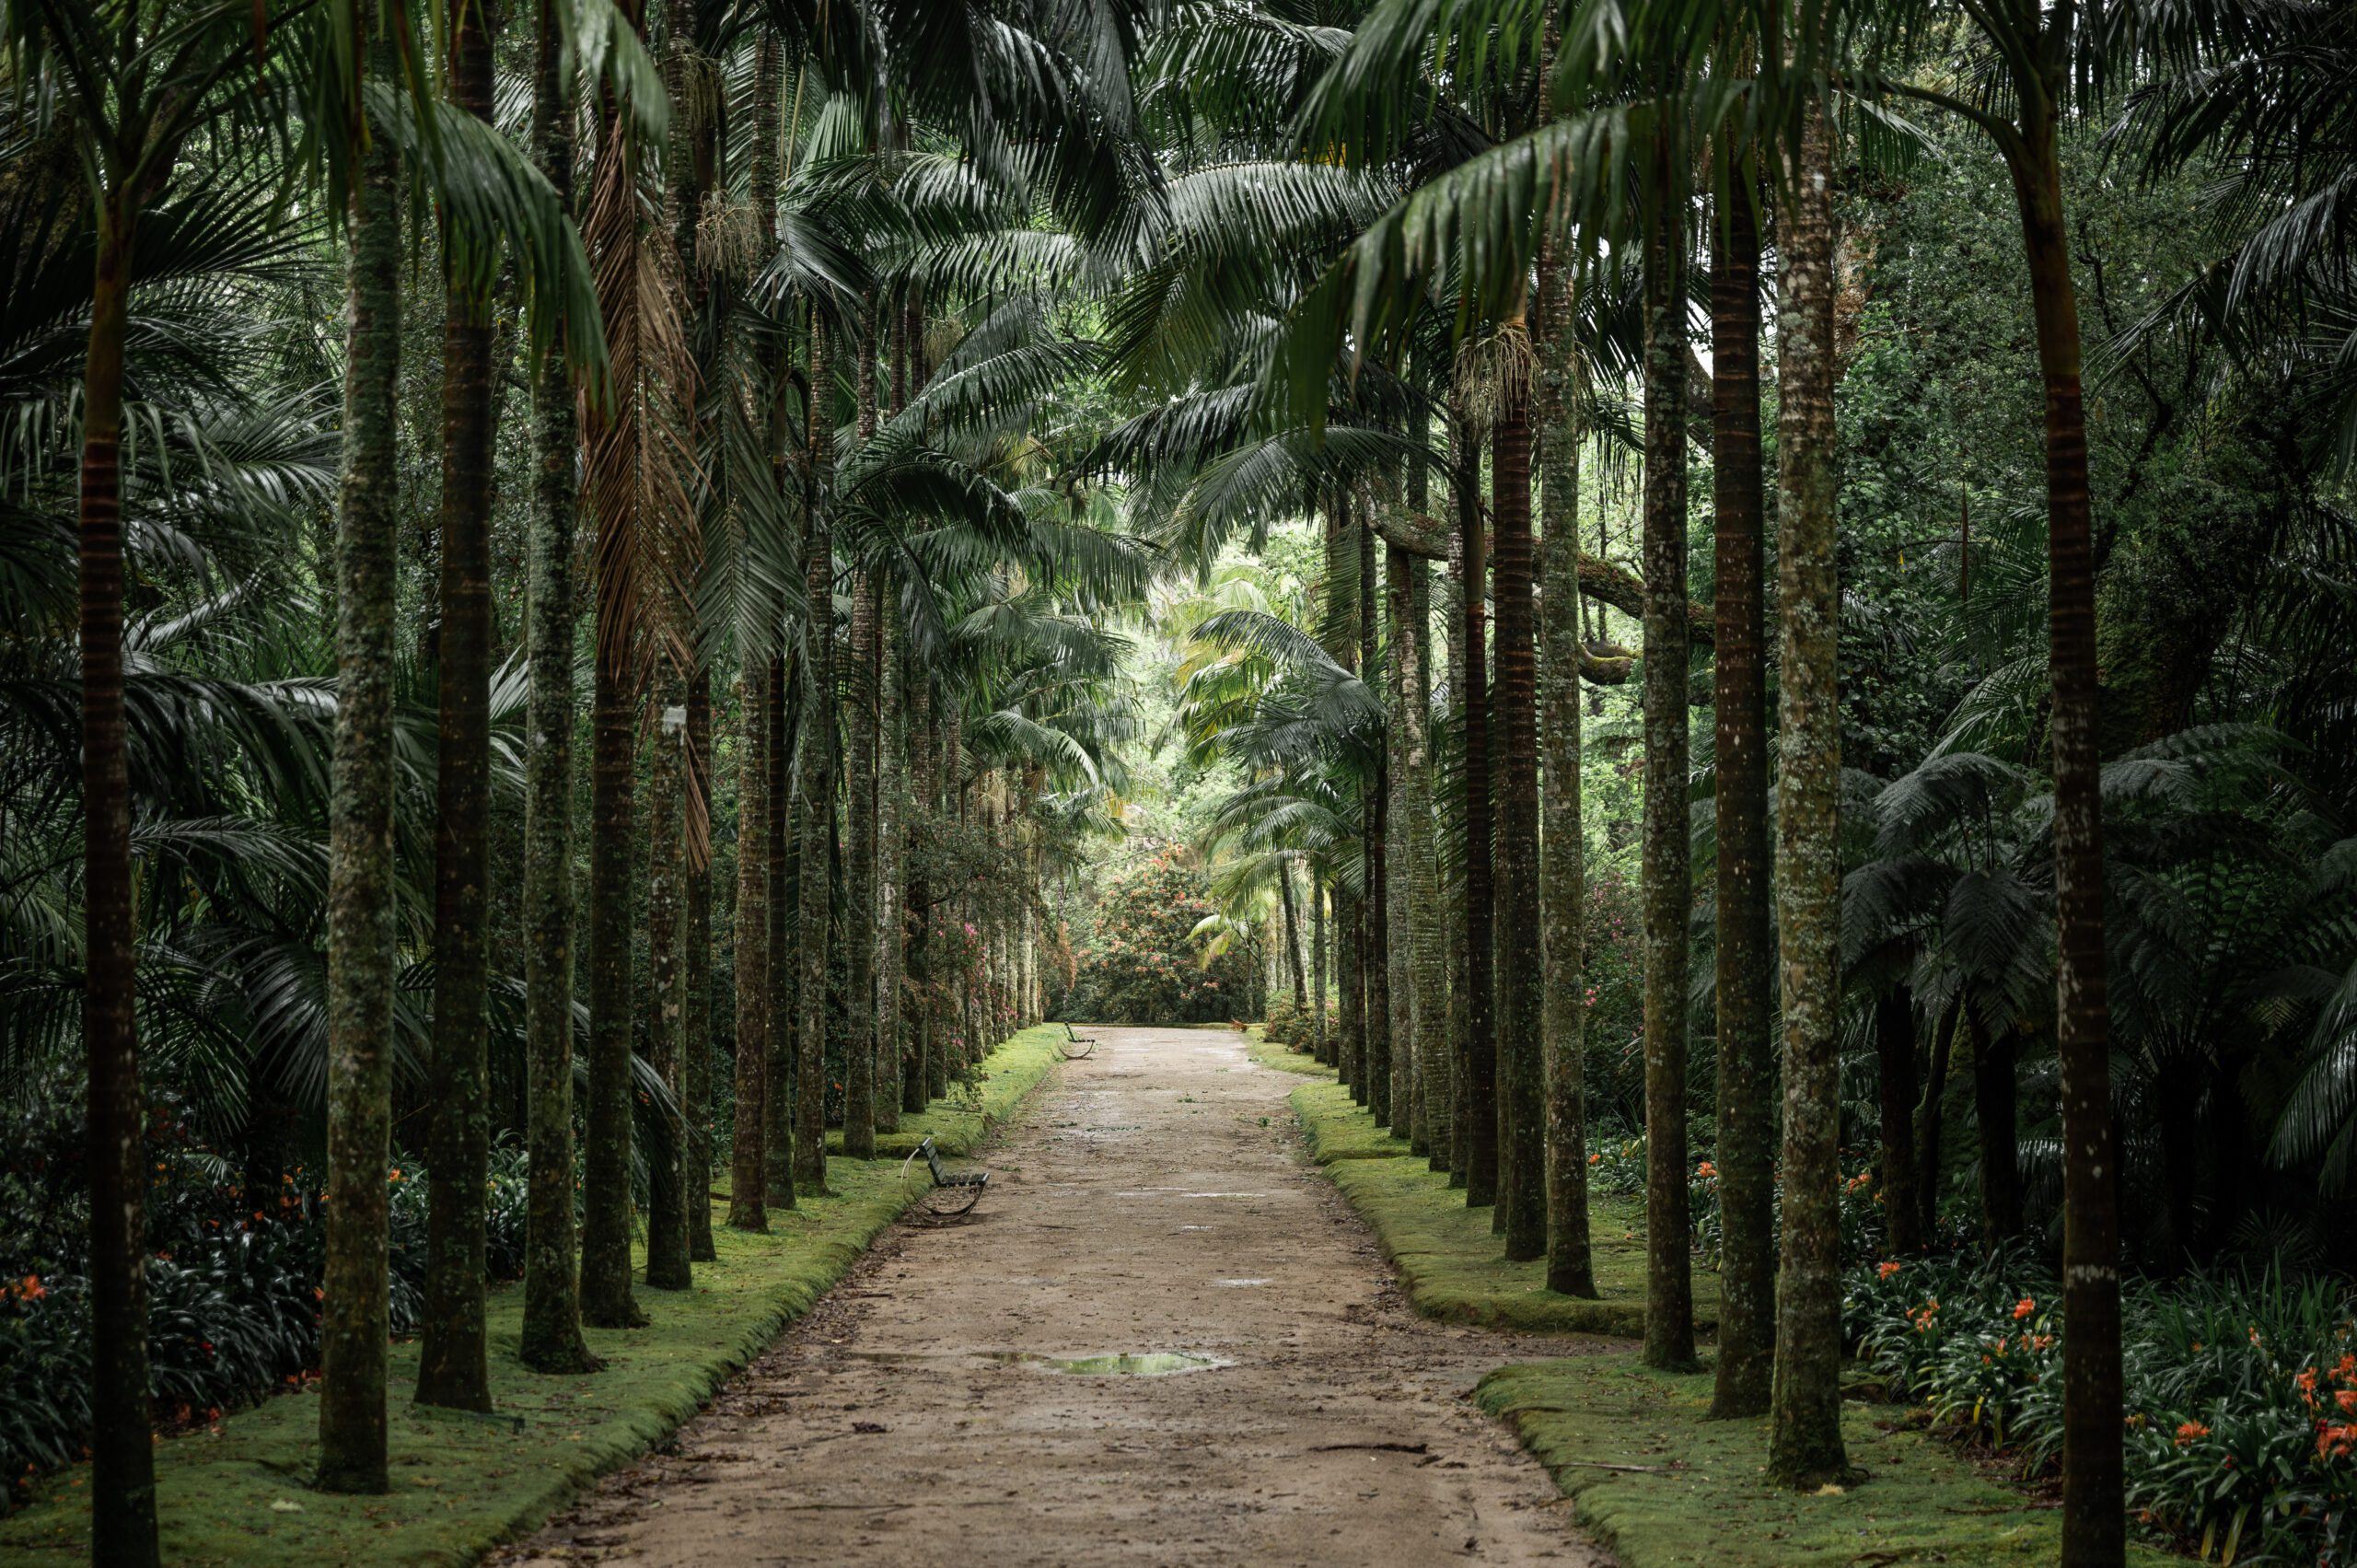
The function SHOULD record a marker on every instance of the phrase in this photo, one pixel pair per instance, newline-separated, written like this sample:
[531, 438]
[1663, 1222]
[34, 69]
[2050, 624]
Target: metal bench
[1072, 1040]
[952, 1194]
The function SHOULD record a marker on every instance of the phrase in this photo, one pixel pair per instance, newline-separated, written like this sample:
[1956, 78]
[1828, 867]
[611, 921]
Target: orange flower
[1594, 1159]
[32, 1289]
[2187, 1432]
[1706, 1170]
[2024, 1307]
[2347, 1400]
[1884, 1271]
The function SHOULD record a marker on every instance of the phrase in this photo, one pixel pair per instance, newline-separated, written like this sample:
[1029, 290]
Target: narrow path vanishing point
[1154, 1200]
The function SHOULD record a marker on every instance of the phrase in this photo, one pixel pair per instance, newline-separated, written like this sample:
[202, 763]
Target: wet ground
[1162, 1337]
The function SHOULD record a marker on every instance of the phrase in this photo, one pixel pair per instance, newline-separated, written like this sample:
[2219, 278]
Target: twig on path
[1371, 1447]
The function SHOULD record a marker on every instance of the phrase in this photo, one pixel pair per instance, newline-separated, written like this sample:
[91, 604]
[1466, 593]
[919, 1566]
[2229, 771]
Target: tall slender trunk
[1348, 1040]
[1522, 1146]
[1477, 1095]
[353, 1316]
[606, 1299]
[859, 803]
[695, 1016]
[891, 913]
[815, 768]
[1320, 1042]
[1375, 909]
[1668, 889]
[1462, 494]
[1398, 883]
[122, 1497]
[924, 1030]
[1293, 936]
[749, 1163]
[778, 1120]
[2094, 1532]
[665, 1006]
[454, 1357]
[1994, 1110]
[1419, 849]
[1805, 1445]
[552, 1338]
[1894, 1059]
[1740, 707]
[1928, 1124]
[1563, 876]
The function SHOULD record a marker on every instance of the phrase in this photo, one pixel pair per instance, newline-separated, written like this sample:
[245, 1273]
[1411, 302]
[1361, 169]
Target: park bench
[952, 1194]
[1075, 1046]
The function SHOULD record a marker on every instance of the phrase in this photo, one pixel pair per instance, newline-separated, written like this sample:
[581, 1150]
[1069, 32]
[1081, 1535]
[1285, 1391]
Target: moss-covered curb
[959, 1121]
[1452, 1266]
[463, 1484]
[1662, 1484]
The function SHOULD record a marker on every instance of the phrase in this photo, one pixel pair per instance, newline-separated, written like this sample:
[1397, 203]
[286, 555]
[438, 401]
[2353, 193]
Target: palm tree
[551, 1340]
[1746, 1076]
[1563, 879]
[360, 855]
[1806, 1448]
[454, 1357]
[135, 80]
[1669, 892]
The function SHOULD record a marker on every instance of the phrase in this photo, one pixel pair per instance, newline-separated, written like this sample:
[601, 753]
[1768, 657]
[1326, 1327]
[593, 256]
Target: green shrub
[1140, 960]
[2240, 1393]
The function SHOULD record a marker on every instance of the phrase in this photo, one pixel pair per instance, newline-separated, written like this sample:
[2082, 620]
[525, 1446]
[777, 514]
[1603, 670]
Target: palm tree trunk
[1669, 892]
[782, 1025]
[1399, 886]
[122, 1497]
[1895, 1051]
[2093, 1531]
[1375, 959]
[611, 229]
[1746, 1072]
[1928, 1128]
[1563, 879]
[1454, 914]
[353, 1318]
[1805, 1445]
[815, 786]
[1349, 1044]
[606, 1300]
[1477, 1095]
[552, 1338]
[1420, 850]
[1293, 937]
[1321, 1039]
[1994, 1110]
[748, 1166]
[695, 1017]
[1521, 1215]
[892, 912]
[666, 1216]
[454, 1357]
[924, 1024]
[859, 789]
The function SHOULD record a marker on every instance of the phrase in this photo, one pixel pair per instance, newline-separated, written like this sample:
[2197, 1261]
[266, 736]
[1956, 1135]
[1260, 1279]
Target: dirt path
[1155, 1201]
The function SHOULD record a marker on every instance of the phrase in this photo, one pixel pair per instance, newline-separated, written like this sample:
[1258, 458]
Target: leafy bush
[233, 1279]
[1617, 1165]
[1289, 1025]
[2241, 1393]
[1141, 960]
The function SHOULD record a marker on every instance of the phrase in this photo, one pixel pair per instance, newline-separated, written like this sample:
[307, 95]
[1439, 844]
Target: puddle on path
[1240, 1284]
[1124, 1364]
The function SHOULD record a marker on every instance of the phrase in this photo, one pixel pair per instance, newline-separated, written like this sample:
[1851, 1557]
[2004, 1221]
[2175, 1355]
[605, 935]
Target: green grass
[961, 1119]
[1699, 1496]
[462, 1484]
[1452, 1264]
[1285, 1059]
